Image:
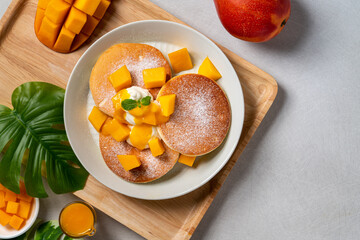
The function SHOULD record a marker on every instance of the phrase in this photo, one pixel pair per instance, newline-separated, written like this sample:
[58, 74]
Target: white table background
[299, 177]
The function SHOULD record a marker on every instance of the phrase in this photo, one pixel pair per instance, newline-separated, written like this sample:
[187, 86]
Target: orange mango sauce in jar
[78, 220]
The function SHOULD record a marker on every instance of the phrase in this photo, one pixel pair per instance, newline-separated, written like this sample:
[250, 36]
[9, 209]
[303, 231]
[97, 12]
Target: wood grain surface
[23, 58]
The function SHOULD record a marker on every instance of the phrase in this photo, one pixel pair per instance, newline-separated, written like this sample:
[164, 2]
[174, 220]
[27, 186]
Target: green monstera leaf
[35, 129]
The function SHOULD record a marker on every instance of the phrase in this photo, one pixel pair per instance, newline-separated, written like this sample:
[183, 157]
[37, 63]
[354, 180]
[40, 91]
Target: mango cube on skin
[87, 6]
[187, 160]
[208, 69]
[150, 118]
[43, 4]
[129, 161]
[4, 218]
[24, 209]
[167, 104]
[97, 118]
[64, 40]
[121, 131]
[101, 9]
[16, 222]
[156, 147]
[180, 60]
[10, 196]
[12, 207]
[121, 78]
[79, 39]
[48, 32]
[90, 25]
[75, 21]
[57, 10]
[40, 13]
[154, 77]
[2, 199]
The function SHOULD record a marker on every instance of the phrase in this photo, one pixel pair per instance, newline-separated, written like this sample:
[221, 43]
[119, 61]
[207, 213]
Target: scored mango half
[64, 25]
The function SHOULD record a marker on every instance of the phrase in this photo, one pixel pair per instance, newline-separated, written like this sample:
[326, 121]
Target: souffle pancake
[136, 57]
[201, 119]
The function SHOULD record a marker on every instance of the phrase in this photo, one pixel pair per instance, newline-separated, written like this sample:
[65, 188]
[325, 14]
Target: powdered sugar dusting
[151, 167]
[202, 115]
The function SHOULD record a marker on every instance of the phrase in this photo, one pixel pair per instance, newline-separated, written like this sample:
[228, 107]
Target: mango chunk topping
[121, 78]
[149, 118]
[187, 160]
[154, 77]
[156, 147]
[97, 118]
[129, 161]
[140, 136]
[208, 69]
[180, 60]
[167, 104]
[121, 132]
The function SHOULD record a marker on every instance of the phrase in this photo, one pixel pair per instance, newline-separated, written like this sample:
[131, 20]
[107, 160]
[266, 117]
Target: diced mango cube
[160, 118]
[101, 9]
[48, 32]
[64, 40]
[120, 114]
[2, 199]
[180, 60]
[140, 136]
[87, 6]
[24, 209]
[167, 104]
[187, 160]
[129, 161]
[121, 132]
[12, 207]
[10, 196]
[79, 39]
[69, 1]
[2, 188]
[149, 118]
[43, 4]
[57, 10]
[154, 107]
[121, 78]
[139, 112]
[40, 13]
[4, 218]
[156, 147]
[208, 69]
[90, 25]
[97, 118]
[75, 21]
[154, 77]
[16, 222]
[107, 127]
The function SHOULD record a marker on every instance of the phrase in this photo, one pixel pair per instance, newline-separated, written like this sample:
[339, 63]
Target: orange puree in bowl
[77, 220]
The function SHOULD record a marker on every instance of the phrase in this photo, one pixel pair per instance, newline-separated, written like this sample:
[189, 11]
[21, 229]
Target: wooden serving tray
[23, 58]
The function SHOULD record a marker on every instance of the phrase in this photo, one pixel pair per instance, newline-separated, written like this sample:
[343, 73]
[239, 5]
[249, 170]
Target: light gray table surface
[299, 177]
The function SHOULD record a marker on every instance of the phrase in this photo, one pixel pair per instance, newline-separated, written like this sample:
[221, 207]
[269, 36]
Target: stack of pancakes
[198, 125]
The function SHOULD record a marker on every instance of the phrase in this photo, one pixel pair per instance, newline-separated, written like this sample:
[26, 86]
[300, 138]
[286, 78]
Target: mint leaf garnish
[129, 104]
[146, 101]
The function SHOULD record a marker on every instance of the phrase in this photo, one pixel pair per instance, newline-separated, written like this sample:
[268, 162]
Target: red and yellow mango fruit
[64, 25]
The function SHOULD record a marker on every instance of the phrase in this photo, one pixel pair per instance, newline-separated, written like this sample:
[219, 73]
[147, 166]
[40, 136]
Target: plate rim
[228, 154]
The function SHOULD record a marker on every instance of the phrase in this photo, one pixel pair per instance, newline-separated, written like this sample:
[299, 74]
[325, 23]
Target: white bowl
[8, 232]
[167, 37]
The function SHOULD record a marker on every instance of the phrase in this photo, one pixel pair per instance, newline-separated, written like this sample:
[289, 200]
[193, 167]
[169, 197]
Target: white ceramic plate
[8, 232]
[167, 37]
